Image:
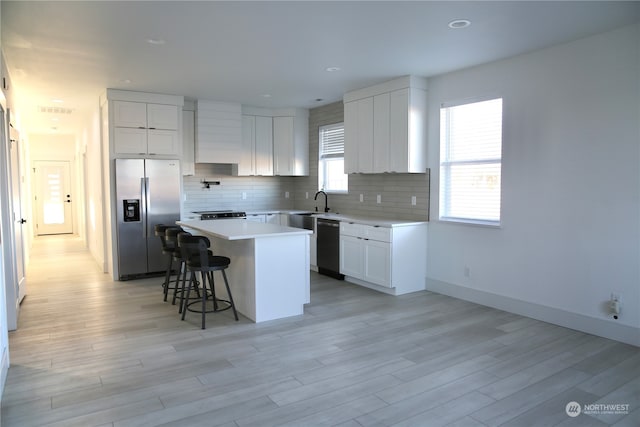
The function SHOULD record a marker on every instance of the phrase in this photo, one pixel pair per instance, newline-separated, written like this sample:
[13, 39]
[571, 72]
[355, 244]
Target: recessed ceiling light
[459, 23]
[332, 69]
[126, 81]
[266, 95]
[155, 41]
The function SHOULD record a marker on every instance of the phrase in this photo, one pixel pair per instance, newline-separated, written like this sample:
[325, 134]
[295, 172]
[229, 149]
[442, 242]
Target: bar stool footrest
[226, 305]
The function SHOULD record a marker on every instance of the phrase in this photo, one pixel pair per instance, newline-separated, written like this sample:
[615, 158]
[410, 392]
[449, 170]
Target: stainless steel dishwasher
[328, 247]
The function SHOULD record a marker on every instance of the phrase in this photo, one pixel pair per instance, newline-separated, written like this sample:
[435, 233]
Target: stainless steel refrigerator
[147, 193]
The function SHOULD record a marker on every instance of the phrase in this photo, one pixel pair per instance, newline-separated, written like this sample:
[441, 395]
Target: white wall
[93, 190]
[570, 230]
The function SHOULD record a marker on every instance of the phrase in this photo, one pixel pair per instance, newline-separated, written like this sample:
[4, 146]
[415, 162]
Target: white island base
[269, 271]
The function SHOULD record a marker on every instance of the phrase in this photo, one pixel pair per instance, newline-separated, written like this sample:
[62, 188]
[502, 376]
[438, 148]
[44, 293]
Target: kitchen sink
[302, 220]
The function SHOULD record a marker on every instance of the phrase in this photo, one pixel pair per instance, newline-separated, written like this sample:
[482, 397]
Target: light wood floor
[93, 352]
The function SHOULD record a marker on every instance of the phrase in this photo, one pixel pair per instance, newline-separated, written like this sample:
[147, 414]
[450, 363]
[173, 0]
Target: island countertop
[240, 229]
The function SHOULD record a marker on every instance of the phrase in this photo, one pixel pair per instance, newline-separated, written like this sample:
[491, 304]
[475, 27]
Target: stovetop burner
[222, 214]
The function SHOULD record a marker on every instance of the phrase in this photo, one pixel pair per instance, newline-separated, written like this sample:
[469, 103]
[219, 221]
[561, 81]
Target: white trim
[4, 370]
[404, 82]
[579, 322]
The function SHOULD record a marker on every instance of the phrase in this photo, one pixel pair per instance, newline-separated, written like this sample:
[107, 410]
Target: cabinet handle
[150, 128]
[141, 127]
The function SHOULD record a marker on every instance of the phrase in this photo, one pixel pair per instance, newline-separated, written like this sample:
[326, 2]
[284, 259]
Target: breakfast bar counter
[269, 271]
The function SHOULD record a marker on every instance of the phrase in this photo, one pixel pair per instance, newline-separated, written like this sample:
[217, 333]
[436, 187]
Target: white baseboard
[4, 370]
[580, 322]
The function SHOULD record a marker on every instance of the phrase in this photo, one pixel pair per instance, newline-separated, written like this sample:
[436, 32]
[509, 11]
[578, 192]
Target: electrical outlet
[414, 200]
[361, 198]
[378, 199]
[306, 195]
[244, 195]
[286, 194]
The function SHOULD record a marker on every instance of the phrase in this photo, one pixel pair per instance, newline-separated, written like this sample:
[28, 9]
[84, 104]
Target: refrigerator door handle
[144, 189]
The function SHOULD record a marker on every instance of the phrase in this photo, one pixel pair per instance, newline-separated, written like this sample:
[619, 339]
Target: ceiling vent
[54, 110]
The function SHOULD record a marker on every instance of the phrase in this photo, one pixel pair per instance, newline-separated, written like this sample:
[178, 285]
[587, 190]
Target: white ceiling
[241, 51]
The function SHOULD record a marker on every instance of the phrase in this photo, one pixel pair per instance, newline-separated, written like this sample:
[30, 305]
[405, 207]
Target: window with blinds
[471, 162]
[331, 176]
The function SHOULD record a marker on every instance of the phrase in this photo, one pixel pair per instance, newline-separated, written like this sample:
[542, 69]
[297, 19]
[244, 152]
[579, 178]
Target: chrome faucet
[326, 206]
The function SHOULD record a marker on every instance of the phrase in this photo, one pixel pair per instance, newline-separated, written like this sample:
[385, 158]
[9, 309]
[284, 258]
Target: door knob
[22, 221]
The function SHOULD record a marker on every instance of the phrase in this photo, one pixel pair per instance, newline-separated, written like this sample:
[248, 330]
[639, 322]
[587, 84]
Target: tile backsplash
[261, 192]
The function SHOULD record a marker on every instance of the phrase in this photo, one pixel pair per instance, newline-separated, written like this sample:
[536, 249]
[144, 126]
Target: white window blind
[471, 162]
[331, 176]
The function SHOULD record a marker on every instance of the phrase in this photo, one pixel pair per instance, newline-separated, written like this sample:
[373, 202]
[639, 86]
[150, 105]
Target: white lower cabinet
[272, 218]
[377, 260]
[351, 256]
[392, 258]
[256, 217]
[362, 257]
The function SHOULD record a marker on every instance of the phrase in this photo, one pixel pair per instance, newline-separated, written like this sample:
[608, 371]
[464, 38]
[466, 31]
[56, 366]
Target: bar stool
[181, 255]
[204, 262]
[171, 239]
[168, 250]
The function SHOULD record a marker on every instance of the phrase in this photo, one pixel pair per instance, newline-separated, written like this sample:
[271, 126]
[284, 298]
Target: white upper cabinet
[358, 130]
[188, 142]
[283, 145]
[130, 114]
[218, 132]
[256, 157]
[162, 116]
[263, 159]
[291, 143]
[385, 127]
[143, 128]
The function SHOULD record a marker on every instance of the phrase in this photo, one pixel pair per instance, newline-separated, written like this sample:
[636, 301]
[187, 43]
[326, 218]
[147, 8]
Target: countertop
[381, 222]
[240, 229]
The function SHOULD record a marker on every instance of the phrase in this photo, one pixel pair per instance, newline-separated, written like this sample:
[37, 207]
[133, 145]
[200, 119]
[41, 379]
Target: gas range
[226, 214]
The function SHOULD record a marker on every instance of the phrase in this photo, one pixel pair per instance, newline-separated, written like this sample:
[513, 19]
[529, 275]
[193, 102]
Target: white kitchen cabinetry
[291, 143]
[188, 142]
[358, 130]
[146, 129]
[390, 259]
[385, 127]
[272, 218]
[256, 156]
[218, 132]
[256, 217]
[365, 253]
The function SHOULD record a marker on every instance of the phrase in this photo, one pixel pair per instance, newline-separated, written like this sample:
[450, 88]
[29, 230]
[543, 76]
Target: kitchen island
[269, 271]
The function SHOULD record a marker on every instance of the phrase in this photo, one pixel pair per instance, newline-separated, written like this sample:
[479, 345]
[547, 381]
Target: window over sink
[331, 176]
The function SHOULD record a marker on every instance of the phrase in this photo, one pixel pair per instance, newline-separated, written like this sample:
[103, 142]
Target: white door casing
[18, 218]
[53, 197]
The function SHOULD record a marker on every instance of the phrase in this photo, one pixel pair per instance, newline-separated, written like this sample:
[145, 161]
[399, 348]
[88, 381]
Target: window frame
[322, 160]
[445, 164]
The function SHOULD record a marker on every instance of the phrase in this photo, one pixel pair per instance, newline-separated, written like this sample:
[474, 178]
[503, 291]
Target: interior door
[53, 197]
[16, 195]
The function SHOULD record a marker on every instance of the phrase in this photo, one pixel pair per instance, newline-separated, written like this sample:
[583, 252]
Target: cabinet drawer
[351, 229]
[381, 234]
